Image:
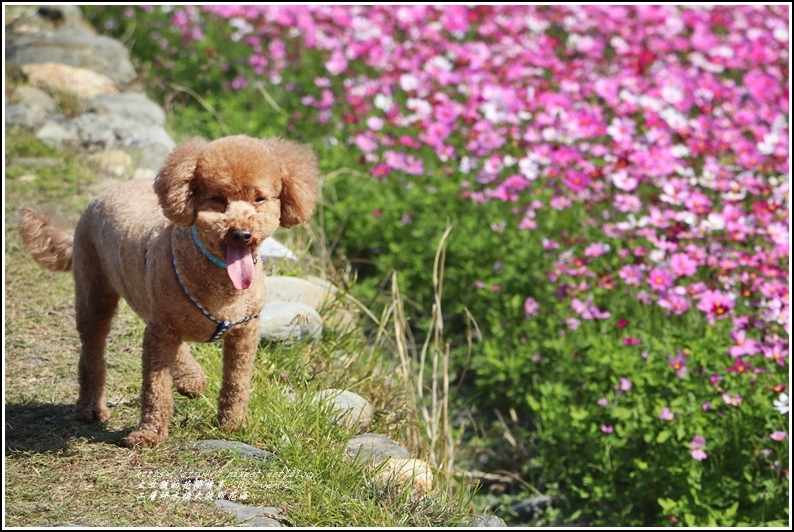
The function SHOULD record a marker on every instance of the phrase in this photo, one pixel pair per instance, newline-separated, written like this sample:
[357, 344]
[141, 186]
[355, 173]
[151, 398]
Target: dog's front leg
[239, 352]
[160, 348]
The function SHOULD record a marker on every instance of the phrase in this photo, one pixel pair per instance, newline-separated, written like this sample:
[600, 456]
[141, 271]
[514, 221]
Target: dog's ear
[173, 184]
[300, 180]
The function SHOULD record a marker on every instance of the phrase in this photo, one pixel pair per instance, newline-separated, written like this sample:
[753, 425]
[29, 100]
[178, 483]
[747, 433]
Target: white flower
[781, 405]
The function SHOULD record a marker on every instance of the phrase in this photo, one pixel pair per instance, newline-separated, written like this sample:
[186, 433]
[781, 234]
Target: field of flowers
[617, 182]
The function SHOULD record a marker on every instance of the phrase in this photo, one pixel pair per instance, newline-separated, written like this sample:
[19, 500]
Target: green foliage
[602, 451]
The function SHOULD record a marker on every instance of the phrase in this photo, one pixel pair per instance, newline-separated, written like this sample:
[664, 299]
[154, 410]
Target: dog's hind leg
[95, 305]
[188, 376]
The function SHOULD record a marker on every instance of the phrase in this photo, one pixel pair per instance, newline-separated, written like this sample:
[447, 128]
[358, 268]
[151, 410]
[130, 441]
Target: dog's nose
[241, 236]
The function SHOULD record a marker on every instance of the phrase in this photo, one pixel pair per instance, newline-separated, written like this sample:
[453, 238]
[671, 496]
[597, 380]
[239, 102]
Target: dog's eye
[219, 199]
[261, 199]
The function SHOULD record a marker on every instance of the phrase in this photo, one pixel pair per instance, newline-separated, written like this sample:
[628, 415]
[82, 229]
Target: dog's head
[236, 191]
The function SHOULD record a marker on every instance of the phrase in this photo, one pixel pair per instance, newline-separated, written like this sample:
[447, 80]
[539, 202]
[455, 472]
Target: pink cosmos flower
[778, 435]
[666, 414]
[715, 304]
[678, 363]
[697, 448]
[607, 429]
[659, 279]
[630, 274]
[531, 307]
[624, 385]
[743, 345]
[777, 352]
[587, 310]
[739, 367]
[674, 303]
[682, 265]
[732, 399]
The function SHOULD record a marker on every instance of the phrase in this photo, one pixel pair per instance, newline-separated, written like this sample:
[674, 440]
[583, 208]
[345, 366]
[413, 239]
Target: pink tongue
[239, 266]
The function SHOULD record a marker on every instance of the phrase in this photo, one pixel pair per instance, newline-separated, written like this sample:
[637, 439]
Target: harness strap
[223, 325]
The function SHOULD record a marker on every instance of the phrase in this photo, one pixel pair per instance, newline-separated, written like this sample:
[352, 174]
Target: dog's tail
[49, 246]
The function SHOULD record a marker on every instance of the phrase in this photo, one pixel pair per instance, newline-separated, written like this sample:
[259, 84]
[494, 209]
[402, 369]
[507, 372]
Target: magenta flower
[674, 303]
[743, 345]
[659, 279]
[587, 310]
[607, 429]
[630, 274]
[624, 385]
[738, 367]
[531, 307]
[776, 352]
[697, 448]
[666, 414]
[682, 265]
[778, 435]
[715, 304]
[678, 363]
[732, 399]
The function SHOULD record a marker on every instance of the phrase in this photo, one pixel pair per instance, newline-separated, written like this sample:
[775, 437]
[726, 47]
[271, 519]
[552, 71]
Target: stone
[531, 508]
[79, 49]
[289, 322]
[149, 145]
[25, 115]
[80, 82]
[243, 449]
[286, 288]
[112, 163]
[405, 470]
[132, 105]
[33, 96]
[21, 20]
[374, 448]
[252, 516]
[55, 134]
[482, 521]
[350, 409]
[273, 249]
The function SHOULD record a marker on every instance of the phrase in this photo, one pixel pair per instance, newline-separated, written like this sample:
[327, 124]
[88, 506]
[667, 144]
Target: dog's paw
[144, 438]
[192, 386]
[231, 421]
[91, 413]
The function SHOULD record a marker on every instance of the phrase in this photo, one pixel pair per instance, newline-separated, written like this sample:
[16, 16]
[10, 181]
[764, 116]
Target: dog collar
[215, 260]
[204, 251]
[223, 325]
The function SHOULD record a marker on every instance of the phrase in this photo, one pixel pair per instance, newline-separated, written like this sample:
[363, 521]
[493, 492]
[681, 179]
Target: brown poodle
[187, 266]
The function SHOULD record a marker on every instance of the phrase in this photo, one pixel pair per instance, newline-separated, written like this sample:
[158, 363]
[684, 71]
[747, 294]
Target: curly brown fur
[234, 192]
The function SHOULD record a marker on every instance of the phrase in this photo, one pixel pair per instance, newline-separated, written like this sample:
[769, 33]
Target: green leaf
[578, 414]
[663, 436]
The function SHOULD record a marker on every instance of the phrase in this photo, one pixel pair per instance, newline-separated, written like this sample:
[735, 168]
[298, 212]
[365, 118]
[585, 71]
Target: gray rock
[148, 144]
[285, 288]
[243, 449]
[132, 105]
[273, 249]
[25, 115]
[350, 409]
[482, 521]
[253, 516]
[528, 509]
[55, 134]
[374, 448]
[33, 96]
[289, 322]
[81, 49]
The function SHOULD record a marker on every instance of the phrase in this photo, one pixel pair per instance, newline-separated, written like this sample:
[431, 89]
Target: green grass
[60, 471]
